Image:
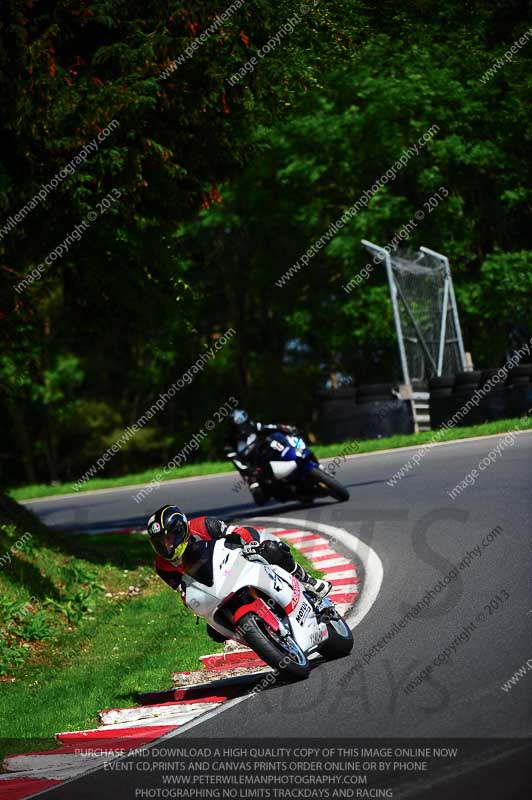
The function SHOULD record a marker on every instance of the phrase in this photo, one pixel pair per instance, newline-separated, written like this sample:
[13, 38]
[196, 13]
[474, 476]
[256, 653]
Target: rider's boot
[257, 489]
[317, 586]
[257, 493]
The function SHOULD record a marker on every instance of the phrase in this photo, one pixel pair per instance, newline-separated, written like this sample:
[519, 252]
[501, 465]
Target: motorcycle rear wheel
[283, 655]
[333, 487]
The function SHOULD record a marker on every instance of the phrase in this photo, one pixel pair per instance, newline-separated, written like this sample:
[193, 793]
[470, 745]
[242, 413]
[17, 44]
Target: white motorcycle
[264, 607]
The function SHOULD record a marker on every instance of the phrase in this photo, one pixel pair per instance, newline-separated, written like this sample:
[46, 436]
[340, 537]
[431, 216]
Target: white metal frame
[385, 256]
[454, 308]
[449, 299]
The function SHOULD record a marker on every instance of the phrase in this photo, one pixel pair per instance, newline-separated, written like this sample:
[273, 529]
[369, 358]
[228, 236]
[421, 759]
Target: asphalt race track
[420, 534]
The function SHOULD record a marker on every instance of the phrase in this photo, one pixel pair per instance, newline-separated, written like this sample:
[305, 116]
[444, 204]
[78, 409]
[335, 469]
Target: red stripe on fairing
[17, 788]
[343, 598]
[296, 588]
[260, 608]
[104, 734]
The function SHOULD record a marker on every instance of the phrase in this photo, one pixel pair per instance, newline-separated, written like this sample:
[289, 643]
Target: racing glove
[241, 535]
[289, 429]
[252, 549]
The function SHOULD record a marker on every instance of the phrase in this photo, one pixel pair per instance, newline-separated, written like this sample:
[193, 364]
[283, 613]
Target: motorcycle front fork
[325, 610]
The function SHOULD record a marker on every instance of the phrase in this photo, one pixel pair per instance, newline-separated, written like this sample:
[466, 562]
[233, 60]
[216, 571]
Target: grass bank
[85, 625]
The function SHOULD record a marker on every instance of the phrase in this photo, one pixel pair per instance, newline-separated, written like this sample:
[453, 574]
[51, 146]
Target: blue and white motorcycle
[287, 470]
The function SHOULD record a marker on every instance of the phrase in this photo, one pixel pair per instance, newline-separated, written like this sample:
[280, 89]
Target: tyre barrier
[449, 394]
[374, 412]
[335, 413]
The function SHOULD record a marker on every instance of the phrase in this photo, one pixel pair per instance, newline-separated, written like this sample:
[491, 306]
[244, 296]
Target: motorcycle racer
[184, 546]
[242, 429]
[246, 437]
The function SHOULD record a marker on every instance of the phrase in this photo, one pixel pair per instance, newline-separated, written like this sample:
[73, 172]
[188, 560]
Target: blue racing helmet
[240, 416]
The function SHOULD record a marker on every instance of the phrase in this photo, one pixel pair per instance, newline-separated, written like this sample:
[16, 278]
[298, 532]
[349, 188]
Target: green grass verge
[322, 451]
[100, 654]
[186, 471]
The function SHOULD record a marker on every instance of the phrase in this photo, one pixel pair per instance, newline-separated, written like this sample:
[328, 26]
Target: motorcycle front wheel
[340, 640]
[330, 484]
[281, 653]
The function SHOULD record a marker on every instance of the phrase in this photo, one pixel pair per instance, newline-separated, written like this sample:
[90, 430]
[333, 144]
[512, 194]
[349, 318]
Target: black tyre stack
[500, 400]
[442, 400]
[375, 393]
[494, 403]
[519, 390]
[369, 412]
[336, 415]
[441, 386]
[381, 413]
[520, 375]
[374, 411]
[465, 383]
[465, 386]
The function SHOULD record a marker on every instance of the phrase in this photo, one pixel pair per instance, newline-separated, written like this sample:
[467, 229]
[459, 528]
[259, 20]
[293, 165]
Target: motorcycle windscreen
[297, 443]
[197, 560]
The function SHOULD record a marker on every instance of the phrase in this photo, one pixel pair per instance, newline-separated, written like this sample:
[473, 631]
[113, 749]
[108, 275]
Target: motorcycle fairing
[232, 572]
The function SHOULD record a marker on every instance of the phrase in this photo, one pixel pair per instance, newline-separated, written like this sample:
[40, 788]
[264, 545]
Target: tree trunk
[50, 451]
